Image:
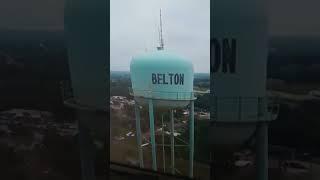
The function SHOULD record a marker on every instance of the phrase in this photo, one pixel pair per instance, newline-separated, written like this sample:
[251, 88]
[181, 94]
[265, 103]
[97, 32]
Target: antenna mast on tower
[161, 47]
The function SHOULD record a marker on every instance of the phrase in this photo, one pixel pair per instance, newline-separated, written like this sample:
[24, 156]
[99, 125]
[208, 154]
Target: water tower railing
[71, 101]
[243, 109]
[163, 95]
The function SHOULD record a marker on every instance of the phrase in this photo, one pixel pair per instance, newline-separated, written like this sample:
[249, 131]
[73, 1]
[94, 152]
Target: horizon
[307, 36]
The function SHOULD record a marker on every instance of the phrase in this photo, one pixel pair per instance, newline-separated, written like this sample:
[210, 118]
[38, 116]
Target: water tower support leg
[86, 147]
[138, 129]
[163, 151]
[172, 141]
[191, 139]
[262, 151]
[152, 135]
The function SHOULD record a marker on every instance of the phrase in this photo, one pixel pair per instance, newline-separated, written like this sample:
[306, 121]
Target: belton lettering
[224, 55]
[169, 78]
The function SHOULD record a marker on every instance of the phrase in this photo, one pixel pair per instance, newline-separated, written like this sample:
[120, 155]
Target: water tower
[85, 32]
[239, 52]
[162, 80]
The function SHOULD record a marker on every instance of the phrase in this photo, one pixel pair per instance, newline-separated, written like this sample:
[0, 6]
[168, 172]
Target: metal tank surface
[239, 50]
[164, 77]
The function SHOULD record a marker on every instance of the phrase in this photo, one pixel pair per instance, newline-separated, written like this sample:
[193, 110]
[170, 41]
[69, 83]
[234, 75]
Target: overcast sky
[289, 17]
[133, 31]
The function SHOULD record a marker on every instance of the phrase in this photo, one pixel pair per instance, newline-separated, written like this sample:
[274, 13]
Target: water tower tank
[86, 51]
[164, 77]
[239, 51]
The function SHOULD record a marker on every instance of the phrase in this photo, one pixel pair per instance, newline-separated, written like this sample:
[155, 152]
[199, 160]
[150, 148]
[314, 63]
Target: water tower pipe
[163, 151]
[191, 139]
[262, 151]
[152, 136]
[172, 141]
[138, 129]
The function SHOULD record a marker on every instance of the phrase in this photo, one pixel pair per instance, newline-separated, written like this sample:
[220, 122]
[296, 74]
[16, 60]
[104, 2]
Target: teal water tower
[163, 80]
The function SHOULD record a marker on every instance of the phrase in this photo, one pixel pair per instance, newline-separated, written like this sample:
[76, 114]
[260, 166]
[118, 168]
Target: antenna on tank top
[161, 47]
